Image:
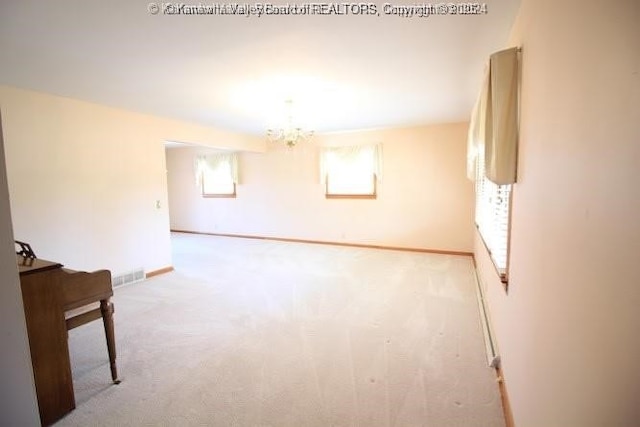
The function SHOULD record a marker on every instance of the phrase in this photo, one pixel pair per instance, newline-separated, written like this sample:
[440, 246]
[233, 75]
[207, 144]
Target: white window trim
[336, 157]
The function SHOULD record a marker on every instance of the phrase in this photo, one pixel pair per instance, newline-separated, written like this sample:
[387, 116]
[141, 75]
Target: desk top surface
[28, 266]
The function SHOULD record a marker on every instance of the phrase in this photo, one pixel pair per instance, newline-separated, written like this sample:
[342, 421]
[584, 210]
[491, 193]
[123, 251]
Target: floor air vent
[133, 276]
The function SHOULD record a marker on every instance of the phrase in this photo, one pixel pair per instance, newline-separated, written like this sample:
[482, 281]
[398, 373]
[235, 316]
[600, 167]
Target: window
[492, 216]
[216, 174]
[492, 154]
[351, 172]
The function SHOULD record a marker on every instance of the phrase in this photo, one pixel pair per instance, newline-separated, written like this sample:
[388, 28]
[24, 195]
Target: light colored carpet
[259, 333]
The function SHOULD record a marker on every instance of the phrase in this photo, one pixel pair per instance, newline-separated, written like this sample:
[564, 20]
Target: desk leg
[106, 307]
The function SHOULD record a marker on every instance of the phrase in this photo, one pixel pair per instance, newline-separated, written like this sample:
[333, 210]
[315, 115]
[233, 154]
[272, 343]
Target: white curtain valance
[494, 121]
[479, 127]
[365, 158]
[216, 162]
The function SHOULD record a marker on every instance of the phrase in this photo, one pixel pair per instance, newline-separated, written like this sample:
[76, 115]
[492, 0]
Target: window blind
[492, 215]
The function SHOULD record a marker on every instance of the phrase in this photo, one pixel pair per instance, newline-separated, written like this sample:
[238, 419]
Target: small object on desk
[25, 250]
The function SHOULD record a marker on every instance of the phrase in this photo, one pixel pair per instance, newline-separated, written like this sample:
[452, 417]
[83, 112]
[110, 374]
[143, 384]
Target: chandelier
[289, 135]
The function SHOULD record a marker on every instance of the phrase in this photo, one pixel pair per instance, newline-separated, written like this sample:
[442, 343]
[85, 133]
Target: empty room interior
[320, 214]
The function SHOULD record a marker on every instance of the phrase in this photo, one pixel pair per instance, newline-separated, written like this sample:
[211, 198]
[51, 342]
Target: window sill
[502, 275]
[219, 196]
[504, 279]
[350, 196]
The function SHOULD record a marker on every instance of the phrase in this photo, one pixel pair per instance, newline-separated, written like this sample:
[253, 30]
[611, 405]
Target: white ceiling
[235, 72]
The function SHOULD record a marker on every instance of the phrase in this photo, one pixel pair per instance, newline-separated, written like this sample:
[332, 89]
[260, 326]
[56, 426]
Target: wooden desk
[42, 298]
[48, 291]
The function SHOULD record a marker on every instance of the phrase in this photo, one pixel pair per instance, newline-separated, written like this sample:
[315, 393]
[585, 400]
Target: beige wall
[18, 405]
[424, 199]
[84, 179]
[569, 329]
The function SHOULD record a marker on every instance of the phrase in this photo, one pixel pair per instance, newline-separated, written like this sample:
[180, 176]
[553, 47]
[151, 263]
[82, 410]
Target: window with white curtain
[493, 216]
[351, 172]
[217, 174]
[492, 154]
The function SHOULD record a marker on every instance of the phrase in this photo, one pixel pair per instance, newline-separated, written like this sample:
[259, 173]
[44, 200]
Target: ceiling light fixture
[289, 135]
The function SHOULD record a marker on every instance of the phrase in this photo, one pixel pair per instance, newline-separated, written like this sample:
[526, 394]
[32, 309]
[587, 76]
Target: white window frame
[216, 175]
[351, 172]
